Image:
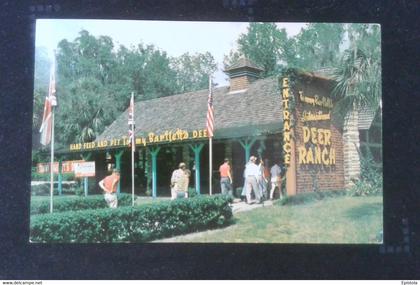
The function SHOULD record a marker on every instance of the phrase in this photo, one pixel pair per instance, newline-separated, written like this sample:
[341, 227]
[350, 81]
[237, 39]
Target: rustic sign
[287, 148]
[316, 148]
[151, 138]
[67, 166]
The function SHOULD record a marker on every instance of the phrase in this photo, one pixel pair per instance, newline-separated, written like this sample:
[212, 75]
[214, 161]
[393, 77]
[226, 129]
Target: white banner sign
[84, 169]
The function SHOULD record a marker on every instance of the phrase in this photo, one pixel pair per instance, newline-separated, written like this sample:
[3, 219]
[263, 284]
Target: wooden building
[286, 118]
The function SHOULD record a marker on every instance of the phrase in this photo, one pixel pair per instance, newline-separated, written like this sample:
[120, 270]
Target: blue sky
[175, 38]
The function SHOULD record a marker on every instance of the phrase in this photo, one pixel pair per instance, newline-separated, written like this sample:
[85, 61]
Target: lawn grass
[347, 220]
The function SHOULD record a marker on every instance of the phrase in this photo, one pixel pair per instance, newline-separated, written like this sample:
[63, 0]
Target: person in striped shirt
[180, 181]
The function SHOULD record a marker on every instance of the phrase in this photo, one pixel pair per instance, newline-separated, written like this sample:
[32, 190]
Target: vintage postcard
[206, 132]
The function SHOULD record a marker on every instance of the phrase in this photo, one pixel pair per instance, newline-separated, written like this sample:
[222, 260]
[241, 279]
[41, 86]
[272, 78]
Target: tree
[94, 81]
[192, 71]
[358, 85]
[41, 82]
[358, 76]
[265, 45]
[160, 79]
[317, 46]
[147, 71]
[84, 74]
[84, 111]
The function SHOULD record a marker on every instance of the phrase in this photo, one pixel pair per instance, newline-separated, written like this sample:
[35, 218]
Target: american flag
[210, 111]
[131, 124]
[50, 102]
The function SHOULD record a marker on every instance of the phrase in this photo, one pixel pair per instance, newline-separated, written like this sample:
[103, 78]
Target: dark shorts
[225, 185]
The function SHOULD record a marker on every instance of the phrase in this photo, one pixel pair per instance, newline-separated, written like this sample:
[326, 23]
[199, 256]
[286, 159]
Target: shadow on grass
[364, 210]
[309, 197]
[227, 224]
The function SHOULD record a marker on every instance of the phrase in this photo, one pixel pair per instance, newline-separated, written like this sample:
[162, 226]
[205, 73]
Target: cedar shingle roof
[242, 63]
[252, 112]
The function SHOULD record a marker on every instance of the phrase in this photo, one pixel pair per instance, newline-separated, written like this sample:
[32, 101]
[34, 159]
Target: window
[371, 141]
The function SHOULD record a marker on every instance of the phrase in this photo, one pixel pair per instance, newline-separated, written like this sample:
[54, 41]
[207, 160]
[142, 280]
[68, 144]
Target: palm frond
[358, 82]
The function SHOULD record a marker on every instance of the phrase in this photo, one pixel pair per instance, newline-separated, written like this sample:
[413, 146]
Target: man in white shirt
[251, 173]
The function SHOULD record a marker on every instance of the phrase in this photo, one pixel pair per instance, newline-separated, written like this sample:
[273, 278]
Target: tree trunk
[351, 148]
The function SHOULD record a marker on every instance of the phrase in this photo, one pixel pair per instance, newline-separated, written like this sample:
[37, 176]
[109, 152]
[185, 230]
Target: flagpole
[52, 160]
[210, 149]
[133, 141]
[210, 164]
[132, 165]
[53, 102]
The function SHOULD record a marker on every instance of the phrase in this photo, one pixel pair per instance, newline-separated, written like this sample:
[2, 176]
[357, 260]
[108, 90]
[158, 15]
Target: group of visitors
[257, 179]
[179, 185]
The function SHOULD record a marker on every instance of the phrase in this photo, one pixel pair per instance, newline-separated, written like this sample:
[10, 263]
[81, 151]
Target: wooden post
[147, 168]
[154, 152]
[247, 145]
[118, 156]
[197, 149]
[291, 183]
[85, 185]
[86, 157]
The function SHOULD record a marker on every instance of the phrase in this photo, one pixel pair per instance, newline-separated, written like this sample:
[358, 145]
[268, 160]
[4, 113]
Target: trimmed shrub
[371, 179]
[43, 189]
[63, 204]
[191, 192]
[133, 224]
[35, 176]
[308, 197]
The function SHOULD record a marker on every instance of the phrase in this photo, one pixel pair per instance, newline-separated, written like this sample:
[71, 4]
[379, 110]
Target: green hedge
[308, 197]
[63, 203]
[133, 224]
[44, 189]
[35, 176]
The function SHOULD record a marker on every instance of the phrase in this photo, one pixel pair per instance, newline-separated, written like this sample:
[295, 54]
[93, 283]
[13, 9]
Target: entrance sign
[84, 169]
[312, 141]
[287, 148]
[316, 136]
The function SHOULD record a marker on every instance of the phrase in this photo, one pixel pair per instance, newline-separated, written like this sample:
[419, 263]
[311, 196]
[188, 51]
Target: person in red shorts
[225, 178]
[109, 185]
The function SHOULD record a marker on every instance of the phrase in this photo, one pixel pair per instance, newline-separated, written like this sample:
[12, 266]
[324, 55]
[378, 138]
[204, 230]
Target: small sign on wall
[67, 166]
[84, 169]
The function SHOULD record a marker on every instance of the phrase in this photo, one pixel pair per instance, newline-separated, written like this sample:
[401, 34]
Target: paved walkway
[242, 206]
